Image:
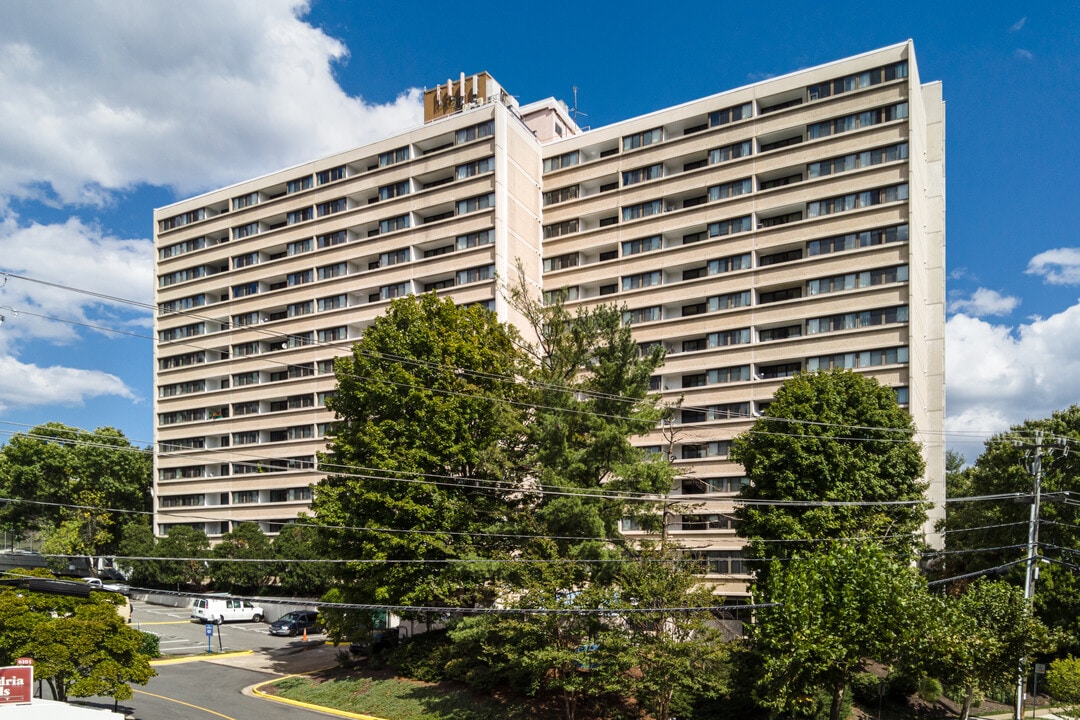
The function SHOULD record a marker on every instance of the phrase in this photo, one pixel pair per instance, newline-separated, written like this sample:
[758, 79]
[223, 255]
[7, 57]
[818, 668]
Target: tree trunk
[965, 709]
[837, 702]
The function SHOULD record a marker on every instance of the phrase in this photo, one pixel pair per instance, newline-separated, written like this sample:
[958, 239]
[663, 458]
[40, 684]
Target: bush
[151, 645]
[930, 690]
[866, 688]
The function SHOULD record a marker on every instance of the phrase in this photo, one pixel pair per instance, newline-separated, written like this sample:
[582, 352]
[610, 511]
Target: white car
[219, 610]
[97, 584]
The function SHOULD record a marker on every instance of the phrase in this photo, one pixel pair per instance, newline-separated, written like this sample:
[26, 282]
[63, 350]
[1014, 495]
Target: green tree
[309, 577]
[138, 541]
[993, 533]
[74, 482]
[830, 611]
[978, 640]
[243, 563]
[81, 646]
[1063, 684]
[590, 382]
[422, 460]
[833, 436]
[182, 551]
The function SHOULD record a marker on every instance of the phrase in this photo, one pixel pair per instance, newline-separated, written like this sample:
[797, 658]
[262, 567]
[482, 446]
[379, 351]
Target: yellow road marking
[200, 658]
[186, 704]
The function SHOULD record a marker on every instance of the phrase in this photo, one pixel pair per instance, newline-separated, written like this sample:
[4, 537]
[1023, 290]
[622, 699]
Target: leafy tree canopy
[832, 436]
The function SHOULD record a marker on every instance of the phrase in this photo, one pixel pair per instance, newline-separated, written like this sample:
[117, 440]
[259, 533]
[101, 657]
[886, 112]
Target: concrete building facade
[782, 227]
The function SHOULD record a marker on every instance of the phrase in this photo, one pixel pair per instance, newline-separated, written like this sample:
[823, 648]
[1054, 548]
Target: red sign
[16, 684]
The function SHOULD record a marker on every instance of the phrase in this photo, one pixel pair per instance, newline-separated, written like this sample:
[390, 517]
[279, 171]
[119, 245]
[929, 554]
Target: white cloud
[23, 385]
[984, 302]
[999, 375]
[1060, 266]
[1018, 25]
[1022, 54]
[72, 255]
[107, 94]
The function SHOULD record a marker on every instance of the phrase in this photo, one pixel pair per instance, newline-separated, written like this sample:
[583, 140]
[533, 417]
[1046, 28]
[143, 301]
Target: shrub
[151, 645]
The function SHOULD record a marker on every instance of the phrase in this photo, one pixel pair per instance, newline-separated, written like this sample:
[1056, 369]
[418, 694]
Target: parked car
[295, 622]
[97, 584]
[219, 610]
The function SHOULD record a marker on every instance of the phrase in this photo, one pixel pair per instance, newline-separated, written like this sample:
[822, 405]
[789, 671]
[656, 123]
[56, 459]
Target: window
[326, 176]
[181, 500]
[633, 247]
[398, 223]
[730, 115]
[182, 219]
[645, 209]
[245, 349]
[652, 172]
[561, 161]
[393, 258]
[439, 284]
[848, 123]
[902, 395]
[182, 248]
[296, 216]
[855, 360]
[730, 152]
[394, 190]
[477, 167]
[298, 309]
[853, 161]
[721, 562]
[851, 281]
[333, 334]
[245, 497]
[487, 272]
[295, 186]
[642, 139]
[696, 380]
[730, 263]
[175, 361]
[246, 408]
[299, 246]
[850, 321]
[737, 373]
[484, 237]
[388, 292]
[731, 300]
[562, 228]
[393, 157]
[561, 262]
[648, 279]
[239, 203]
[561, 195]
[242, 261]
[858, 81]
[730, 227]
[331, 207]
[779, 333]
[729, 411]
[183, 331]
[851, 241]
[298, 278]
[184, 388]
[182, 276]
[332, 303]
[483, 130]
[649, 314]
[481, 202]
[245, 230]
[181, 416]
[334, 238]
[561, 295]
[290, 495]
[729, 337]
[731, 189]
[326, 367]
[783, 370]
[332, 271]
[187, 303]
[853, 201]
[175, 445]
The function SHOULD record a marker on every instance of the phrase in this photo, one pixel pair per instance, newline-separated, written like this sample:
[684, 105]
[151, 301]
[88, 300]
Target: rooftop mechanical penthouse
[790, 225]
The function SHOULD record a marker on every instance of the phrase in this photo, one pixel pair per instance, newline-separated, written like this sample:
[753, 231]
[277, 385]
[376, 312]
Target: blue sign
[209, 630]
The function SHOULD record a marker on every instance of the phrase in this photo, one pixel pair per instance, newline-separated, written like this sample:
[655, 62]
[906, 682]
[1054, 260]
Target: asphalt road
[206, 687]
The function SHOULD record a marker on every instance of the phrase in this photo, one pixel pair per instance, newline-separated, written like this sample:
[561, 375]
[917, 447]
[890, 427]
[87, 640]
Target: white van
[219, 610]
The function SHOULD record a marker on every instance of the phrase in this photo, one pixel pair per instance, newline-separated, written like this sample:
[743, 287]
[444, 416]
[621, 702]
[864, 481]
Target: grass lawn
[395, 698]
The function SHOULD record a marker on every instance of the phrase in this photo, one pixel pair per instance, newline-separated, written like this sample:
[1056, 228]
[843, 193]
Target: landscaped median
[382, 696]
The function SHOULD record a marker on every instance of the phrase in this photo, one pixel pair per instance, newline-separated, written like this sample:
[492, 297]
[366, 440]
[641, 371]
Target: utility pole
[1030, 575]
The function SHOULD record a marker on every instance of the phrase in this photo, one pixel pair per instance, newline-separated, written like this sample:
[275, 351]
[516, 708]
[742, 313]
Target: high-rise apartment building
[786, 226]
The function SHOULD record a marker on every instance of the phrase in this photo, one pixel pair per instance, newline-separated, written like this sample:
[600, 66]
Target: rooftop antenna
[574, 112]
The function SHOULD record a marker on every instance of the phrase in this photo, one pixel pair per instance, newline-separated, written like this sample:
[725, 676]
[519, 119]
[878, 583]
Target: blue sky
[112, 108]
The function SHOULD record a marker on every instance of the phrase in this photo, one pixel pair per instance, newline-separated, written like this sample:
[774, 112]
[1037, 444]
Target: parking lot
[179, 636]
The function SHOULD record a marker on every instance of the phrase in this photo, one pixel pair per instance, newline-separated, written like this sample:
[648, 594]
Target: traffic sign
[209, 630]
